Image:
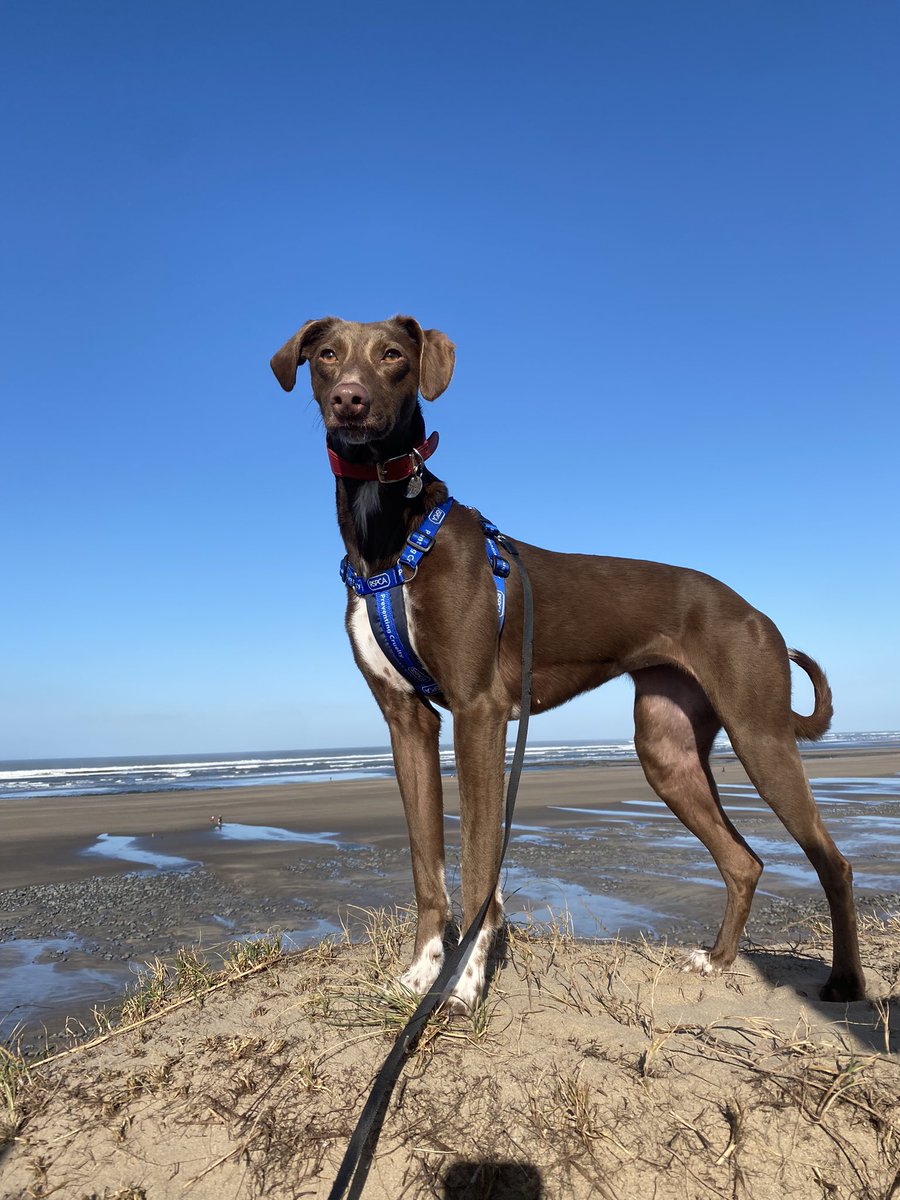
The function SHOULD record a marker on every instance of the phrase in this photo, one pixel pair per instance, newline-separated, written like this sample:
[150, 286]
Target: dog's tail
[812, 727]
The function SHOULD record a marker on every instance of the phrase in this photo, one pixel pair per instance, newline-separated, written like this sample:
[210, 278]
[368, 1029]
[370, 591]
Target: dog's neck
[375, 518]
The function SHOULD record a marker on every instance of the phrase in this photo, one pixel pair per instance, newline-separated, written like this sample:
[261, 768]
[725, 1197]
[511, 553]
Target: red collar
[392, 470]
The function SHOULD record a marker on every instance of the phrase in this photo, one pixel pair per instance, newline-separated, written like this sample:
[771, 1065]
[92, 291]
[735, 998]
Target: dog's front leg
[480, 740]
[414, 740]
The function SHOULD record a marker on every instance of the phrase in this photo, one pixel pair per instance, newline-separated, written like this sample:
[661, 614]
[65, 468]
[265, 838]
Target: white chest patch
[369, 650]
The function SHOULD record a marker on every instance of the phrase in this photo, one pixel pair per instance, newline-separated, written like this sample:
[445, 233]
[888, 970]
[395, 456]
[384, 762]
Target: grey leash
[354, 1169]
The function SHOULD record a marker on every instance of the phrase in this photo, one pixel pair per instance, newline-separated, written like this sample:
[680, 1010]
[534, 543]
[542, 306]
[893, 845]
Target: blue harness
[386, 607]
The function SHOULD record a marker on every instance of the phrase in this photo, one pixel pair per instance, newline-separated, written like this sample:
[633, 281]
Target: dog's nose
[350, 400]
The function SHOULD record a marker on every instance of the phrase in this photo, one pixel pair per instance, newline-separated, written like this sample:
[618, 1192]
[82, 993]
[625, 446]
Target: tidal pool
[35, 978]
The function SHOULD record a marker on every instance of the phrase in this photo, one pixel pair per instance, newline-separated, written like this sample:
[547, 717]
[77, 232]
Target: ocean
[167, 773]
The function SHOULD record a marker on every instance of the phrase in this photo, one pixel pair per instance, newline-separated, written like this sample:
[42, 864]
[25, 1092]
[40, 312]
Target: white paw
[698, 962]
[426, 968]
[469, 985]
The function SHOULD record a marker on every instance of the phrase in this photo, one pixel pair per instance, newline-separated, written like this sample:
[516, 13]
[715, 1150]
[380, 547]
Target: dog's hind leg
[675, 726]
[773, 763]
[480, 741]
[414, 740]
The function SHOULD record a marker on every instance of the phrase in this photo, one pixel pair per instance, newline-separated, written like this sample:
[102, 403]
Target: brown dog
[701, 659]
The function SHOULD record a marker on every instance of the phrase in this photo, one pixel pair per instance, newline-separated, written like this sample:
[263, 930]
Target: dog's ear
[293, 352]
[437, 356]
[438, 360]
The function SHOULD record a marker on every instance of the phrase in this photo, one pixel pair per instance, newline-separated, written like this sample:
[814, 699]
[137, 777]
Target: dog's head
[366, 378]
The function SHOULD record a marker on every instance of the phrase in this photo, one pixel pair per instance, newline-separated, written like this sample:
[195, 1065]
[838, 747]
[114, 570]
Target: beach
[597, 1066]
[95, 886]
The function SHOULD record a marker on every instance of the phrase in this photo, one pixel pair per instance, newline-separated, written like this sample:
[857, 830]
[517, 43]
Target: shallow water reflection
[234, 831]
[36, 978]
[153, 850]
[132, 849]
[593, 914]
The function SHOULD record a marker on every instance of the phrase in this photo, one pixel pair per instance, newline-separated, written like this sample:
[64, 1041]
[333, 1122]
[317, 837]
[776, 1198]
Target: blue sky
[664, 238]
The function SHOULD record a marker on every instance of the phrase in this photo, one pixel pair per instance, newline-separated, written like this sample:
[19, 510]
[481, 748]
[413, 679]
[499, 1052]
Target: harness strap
[418, 544]
[386, 605]
[499, 568]
[388, 624]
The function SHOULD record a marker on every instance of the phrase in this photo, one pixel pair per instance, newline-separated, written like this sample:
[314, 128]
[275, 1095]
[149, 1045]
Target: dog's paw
[469, 987]
[844, 989]
[698, 962]
[467, 995]
[425, 969]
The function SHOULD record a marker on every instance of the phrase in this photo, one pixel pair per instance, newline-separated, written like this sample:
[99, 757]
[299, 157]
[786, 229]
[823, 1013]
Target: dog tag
[414, 486]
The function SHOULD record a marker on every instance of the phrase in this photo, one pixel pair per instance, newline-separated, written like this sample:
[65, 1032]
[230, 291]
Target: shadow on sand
[493, 1181]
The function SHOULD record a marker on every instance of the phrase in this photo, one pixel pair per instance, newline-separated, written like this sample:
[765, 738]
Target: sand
[595, 1069]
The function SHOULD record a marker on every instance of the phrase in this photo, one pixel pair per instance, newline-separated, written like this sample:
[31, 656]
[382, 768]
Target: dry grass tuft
[14, 1075]
[162, 984]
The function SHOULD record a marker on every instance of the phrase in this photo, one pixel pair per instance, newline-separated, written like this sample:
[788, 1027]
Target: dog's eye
[327, 355]
[391, 355]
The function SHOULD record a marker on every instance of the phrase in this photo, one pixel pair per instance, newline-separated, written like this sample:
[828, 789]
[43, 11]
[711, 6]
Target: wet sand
[591, 842]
